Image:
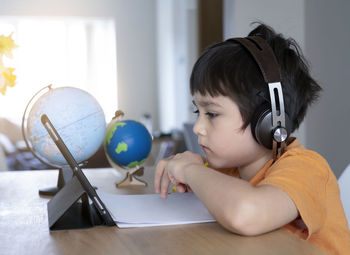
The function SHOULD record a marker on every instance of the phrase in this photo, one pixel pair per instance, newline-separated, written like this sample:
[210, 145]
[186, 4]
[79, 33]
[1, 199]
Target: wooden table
[24, 226]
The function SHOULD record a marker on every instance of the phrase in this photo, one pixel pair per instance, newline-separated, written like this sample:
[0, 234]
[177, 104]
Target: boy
[262, 180]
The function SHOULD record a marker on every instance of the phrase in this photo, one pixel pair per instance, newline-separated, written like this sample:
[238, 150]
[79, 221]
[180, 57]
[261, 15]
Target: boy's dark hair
[228, 69]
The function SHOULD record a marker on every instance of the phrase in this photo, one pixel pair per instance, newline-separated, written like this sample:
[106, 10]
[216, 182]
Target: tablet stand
[70, 208]
[65, 173]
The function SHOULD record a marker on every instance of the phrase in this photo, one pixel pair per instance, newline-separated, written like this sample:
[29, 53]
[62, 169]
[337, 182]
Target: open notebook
[151, 210]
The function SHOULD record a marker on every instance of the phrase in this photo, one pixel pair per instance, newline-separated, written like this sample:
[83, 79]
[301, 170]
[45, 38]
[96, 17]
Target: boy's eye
[211, 115]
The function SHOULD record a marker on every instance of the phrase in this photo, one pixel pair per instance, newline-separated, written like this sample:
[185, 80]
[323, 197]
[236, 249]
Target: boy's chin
[217, 165]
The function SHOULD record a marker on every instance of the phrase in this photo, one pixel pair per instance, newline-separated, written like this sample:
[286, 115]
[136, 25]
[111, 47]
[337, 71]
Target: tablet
[89, 189]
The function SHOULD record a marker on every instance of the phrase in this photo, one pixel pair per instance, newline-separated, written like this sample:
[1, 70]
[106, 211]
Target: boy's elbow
[243, 219]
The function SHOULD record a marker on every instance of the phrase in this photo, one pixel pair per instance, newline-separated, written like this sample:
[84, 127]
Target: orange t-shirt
[308, 180]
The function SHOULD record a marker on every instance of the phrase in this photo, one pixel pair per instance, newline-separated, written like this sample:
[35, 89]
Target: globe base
[131, 180]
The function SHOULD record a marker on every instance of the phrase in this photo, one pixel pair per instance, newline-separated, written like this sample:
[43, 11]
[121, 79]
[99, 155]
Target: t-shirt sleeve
[304, 178]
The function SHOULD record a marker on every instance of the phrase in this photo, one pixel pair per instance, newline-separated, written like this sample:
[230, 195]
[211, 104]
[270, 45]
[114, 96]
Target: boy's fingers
[164, 186]
[158, 174]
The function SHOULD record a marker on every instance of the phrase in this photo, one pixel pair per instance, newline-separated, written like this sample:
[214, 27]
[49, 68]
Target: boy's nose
[198, 128]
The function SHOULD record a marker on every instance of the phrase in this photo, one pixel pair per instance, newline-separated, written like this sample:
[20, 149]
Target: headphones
[270, 124]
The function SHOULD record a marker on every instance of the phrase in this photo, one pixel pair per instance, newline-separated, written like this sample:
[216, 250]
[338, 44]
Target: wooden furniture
[24, 226]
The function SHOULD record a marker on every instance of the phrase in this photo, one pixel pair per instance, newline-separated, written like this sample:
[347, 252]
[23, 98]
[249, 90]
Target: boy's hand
[172, 169]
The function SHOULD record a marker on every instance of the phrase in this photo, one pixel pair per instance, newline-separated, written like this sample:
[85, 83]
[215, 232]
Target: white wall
[283, 15]
[327, 37]
[135, 25]
[177, 46]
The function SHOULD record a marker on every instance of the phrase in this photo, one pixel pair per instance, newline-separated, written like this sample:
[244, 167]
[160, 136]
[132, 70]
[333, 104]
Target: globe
[77, 117]
[127, 143]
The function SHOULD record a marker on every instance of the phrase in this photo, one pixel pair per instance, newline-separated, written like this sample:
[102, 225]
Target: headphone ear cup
[261, 126]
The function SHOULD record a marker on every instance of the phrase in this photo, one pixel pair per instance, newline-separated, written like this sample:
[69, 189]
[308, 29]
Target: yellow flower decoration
[7, 44]
[7, 78]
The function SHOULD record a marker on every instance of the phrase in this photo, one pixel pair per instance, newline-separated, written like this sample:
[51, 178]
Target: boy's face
[220, 135]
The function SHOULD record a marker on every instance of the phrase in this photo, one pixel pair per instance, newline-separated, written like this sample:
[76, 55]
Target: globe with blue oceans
[127, 143]
[78, 119]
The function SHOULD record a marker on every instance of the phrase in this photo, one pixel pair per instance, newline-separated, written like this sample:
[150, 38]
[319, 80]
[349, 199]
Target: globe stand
[130, 178]
[65, 174]
[130, 174]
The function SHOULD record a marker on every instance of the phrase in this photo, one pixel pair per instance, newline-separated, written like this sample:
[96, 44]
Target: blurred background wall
[159, 40]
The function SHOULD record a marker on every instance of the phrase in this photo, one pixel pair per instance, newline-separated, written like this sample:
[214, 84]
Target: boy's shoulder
[296, 150]
[301, 162]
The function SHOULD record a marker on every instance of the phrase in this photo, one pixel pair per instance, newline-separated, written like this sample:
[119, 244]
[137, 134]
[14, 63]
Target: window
[77, 52]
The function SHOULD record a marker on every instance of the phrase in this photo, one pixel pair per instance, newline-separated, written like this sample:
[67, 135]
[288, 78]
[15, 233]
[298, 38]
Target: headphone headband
[263, 55]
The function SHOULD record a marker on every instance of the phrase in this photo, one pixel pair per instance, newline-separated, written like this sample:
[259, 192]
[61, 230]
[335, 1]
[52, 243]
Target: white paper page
[151, 210]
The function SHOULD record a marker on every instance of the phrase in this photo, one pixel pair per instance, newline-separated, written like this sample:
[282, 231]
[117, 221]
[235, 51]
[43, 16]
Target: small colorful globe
[127, 143]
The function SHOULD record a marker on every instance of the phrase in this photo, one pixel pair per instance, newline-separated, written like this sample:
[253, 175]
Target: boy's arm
[239, 206]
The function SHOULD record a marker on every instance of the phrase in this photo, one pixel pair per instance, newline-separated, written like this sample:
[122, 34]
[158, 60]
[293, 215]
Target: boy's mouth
[204, 148]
